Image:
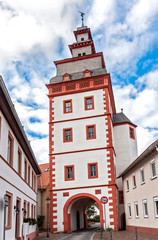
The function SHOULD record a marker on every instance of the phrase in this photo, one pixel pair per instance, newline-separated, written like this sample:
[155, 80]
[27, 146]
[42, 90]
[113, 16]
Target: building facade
[43, 192]
[18, 173]
[85, 137]
[141, 192]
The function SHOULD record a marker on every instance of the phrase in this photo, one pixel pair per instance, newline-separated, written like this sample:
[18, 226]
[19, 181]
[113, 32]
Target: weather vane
[82, 18]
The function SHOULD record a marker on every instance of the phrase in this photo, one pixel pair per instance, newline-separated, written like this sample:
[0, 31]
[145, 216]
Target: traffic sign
[6, 202]
[104, 200]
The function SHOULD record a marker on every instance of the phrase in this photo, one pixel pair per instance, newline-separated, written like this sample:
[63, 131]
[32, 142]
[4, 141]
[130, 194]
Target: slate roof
[78, 75]
[147, 151]
[121, 118]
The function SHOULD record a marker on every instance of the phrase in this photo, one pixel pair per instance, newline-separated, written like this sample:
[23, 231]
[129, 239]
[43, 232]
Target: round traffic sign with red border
[104, 200]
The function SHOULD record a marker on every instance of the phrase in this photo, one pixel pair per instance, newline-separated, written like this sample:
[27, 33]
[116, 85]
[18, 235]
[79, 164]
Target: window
[28, 209]
[91, 132]
[82, 39]
[29, 175]
[153, 169]
[142, 177]
[84, 54]
[67, 135]
[92, 170]
[8, 197]
[156, 206]
[136, 209]
[31, 210]
[127, 185]
[32, 179]
[10, 149]
[131, 133]
[134, 180]
[35, 182]
[69, 173]
[25, 171]
[67, 106]
[121, 198]
[19, 161]
[129, 211]
[79, 55]
[145, 208]
[89, 103]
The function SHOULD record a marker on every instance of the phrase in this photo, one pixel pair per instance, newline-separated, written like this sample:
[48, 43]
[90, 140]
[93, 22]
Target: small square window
[67, 135]
[127, 185]
[91, 132]
[92, 170]
[134, 180]
[131, 133]
[142, 176]
[69, 173]
[67, 106]
[145, 208]
[153, 169]
[129, 211]
[82, 39]
[89, 103]
[79, 55]
[156, 206]
[136, 209]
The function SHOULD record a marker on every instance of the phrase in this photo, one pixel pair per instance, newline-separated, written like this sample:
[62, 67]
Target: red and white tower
[83, 124]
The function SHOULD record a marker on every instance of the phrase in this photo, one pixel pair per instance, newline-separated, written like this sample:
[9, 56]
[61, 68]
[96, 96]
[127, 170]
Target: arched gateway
[68, 210]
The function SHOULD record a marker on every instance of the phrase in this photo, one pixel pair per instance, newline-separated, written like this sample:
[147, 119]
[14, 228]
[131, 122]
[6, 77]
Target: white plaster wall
[79, 66]
[80, 141]
[78, 105]
[10, 180]
[80, 162]
[125, 147]
[87, 50]
[79, 36]
[142, 191]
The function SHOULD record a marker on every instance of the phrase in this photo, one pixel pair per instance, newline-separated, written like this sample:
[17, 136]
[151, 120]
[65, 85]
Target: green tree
[91, 211]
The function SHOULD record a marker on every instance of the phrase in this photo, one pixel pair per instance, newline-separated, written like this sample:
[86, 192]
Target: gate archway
[80, 197]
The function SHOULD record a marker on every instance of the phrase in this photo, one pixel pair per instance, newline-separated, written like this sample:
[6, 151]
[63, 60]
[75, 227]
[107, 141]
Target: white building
[140, 185]
[18, 173]
[90, 143]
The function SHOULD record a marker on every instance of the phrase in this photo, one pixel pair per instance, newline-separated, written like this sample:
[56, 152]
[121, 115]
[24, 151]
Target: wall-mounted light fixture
[16, 210]
[24, 211]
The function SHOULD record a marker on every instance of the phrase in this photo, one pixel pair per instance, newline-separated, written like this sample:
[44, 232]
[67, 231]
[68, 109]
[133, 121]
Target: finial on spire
[82, 18]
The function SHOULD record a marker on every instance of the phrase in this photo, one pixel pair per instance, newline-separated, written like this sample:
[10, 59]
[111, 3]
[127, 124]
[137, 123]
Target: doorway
[78, 220]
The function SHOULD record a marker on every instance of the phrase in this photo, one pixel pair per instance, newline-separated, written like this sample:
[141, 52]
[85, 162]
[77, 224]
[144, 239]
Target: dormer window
[66, 77]
[82, 39]
[87, 73]
[79, 55]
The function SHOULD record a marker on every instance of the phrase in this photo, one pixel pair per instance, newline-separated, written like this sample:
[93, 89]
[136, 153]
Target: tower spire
[82, 18]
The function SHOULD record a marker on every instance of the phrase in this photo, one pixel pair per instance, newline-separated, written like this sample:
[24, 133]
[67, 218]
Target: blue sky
[36, 33]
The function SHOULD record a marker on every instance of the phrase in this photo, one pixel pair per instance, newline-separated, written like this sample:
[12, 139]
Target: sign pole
[105, 222]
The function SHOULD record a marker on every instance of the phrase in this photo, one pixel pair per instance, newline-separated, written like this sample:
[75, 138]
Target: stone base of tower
[68, 213]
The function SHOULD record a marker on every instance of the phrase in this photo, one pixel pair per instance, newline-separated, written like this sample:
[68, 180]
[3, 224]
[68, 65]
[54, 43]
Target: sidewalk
[125, 235]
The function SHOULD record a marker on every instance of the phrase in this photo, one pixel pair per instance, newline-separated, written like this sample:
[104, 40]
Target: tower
[81, 137]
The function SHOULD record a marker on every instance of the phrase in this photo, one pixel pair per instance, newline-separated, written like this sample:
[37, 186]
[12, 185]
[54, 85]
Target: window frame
[89, 170]
[19, 161]
[25, 169]
[142, 170]
[85, 103]
[155, 199]
[131, 129]
[29, 172]
[144, 201]
[136, 210]
[64, 131]
[10, 150]
[64, 105]
[151, 171]
[9, 212]
[129, 210]
[127, 185]
[87, 135]
[134, 180]
[73, 172]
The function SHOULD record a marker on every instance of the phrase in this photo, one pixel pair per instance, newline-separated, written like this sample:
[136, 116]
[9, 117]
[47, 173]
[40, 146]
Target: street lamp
[48, 202]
